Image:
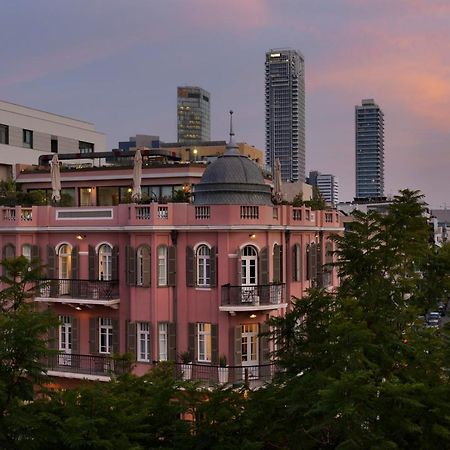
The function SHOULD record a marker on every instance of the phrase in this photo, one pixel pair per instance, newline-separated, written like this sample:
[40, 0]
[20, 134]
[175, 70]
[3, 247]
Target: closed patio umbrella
[136, 195]
[56, 178]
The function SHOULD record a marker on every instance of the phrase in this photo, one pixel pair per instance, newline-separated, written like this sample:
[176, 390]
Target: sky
[117, 63]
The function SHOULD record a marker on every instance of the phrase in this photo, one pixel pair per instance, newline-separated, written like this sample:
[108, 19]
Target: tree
[361, 370]
[22, 341]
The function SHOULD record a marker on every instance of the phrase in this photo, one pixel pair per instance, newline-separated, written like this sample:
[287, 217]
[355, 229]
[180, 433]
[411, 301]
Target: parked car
[433, 319]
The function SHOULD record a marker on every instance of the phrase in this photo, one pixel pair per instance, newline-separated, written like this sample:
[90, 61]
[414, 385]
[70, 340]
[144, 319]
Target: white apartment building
[27, 133]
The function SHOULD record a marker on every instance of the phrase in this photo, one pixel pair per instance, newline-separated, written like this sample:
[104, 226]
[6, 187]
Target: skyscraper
[193, 110]
[369, 149]
[327, 184]
[285, 112]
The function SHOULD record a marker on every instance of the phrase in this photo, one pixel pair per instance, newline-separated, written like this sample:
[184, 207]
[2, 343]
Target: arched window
[249, 266]
[203, 265]
[9, 251]
[26, 251]
[105, 262]
[143, 266]
[65, 261]
[162, 265]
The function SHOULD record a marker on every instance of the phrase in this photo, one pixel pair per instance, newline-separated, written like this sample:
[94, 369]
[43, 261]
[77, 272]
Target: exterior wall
[179, 226]
[44, 126]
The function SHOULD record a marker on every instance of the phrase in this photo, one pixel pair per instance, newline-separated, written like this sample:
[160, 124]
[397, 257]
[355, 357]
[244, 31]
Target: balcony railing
[79, 289]
[259, 295]
[94, 365]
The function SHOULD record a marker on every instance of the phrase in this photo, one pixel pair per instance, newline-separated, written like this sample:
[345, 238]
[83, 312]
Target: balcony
[79, 292]
[253, 298]
[90, 367]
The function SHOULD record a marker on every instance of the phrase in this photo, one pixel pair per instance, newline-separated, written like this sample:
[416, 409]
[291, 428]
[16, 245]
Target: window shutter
[277, 263]
[264, 350]
[75, 263]
[313, 263]
[130, 274]
[51, 269]
[263, 267]
[238, 345]
[172, 326]
[93, 267]
[75, 323]
[53, 338]
[213, 266]
[191, 341]
[172, 266]
[115, 263]
[146, 265]
[190, 266]
[131, 338]
[239, 267]
[115, 336]
[35, 257]
[214, 343]
[93, 335]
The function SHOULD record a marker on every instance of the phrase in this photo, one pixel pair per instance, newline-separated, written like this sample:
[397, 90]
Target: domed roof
[233, 179]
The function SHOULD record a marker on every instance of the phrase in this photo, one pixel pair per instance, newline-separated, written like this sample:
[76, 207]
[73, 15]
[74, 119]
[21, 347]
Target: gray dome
[233, 179]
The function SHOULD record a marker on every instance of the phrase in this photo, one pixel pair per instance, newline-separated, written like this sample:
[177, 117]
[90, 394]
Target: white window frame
[204, 342]
[105, 262]
[163, 341]
[143, 341]
[203, 257]
[105, 335]
[162, 265]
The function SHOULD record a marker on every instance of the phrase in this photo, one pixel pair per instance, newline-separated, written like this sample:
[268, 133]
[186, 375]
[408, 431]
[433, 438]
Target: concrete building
[193, 110]
[285, 112]
[27, 133]
[369, 150]
[327, 184]
[160, 280]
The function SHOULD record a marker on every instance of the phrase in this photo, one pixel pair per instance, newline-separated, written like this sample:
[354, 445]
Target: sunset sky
[117, 63]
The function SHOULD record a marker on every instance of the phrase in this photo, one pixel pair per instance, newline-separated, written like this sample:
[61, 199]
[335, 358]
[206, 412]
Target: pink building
[159, 280]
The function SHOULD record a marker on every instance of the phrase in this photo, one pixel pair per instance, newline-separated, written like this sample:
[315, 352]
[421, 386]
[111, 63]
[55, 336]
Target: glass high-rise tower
[285, 112]
[193, 111]
[369, 149]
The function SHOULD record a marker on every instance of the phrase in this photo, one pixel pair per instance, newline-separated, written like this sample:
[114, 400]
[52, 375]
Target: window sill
[202, 288]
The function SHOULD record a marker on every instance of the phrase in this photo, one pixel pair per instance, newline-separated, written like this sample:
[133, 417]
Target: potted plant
[223, 369]
[186, 365]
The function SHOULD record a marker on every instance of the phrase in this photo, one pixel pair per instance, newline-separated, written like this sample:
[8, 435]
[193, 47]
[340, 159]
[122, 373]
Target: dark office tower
[193, 115]
[285, 112]
[369, 147]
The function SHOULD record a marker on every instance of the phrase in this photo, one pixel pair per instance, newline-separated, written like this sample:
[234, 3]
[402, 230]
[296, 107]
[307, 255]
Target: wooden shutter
[191, 341]
[190, 266]
[263, 267]
[296, 262]
[53, 338]
[35, 256]
[75, 262]
[131, 338]
[75, 323]
[313, 261]
[93, 335]
[239, 267]
[51, 269]
[172, 338]
[238, 345]
[171, 266]
[130, 267]
[214, 343]
[277, 263]
[146, 266]
[93, 266]
[115, 336]
[213, 267]
[264, 350]
[115, 263]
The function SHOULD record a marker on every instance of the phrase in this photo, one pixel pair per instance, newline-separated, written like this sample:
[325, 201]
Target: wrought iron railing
[261, 294]
[98, 365]
[82, 289]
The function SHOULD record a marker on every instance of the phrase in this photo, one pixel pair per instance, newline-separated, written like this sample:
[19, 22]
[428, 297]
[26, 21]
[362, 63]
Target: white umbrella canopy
[136, 194]
[56, 178]
[277, 180]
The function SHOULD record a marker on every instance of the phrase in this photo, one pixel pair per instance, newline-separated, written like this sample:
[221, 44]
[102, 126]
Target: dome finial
[232, 148]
